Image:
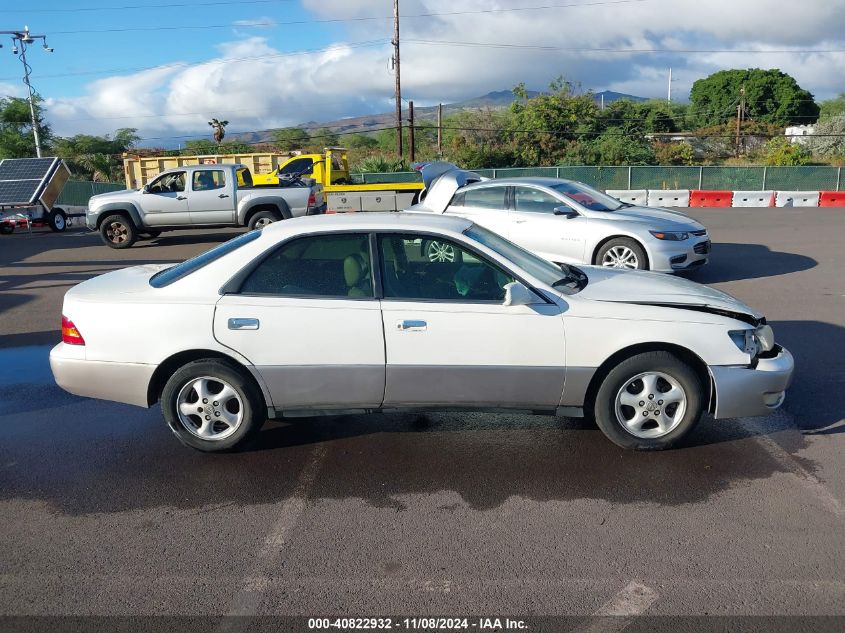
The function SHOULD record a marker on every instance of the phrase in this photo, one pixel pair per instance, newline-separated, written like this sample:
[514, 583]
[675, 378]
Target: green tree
[360, 141]
[202, 147]
[829, 137]
[324, 137]
[832, 107]
[290, 138]
[615, 148]
[97, 158]
[542, 127]
[16, 138]
[674, 153]
[780, 152]
[771, 96]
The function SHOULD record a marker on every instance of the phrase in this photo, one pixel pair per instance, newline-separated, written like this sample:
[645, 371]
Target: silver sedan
[565, 221]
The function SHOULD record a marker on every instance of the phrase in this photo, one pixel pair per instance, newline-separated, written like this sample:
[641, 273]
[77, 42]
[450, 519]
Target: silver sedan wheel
[620, 257]
[209, 408]
[262, 222]
[117, 233]
[651, 405]
[440, 252]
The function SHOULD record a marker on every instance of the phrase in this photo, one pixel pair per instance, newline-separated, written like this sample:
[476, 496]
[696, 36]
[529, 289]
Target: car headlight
[752, 342]
[677, 236]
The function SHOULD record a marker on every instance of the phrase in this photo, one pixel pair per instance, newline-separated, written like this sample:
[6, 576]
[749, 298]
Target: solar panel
[23, 180]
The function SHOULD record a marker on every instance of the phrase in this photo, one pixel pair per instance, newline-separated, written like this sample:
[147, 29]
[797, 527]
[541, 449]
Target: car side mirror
[517, 294]
[145, 189]
[566, 212]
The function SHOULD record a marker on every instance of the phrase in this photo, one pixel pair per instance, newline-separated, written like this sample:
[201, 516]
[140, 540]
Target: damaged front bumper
[742, 391]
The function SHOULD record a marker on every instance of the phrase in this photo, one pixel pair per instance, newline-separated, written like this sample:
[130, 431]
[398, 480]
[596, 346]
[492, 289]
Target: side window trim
[458, 244]
[234, 285]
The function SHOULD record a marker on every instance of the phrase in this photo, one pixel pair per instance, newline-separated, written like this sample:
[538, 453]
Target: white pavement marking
[256, 582]
[616, 614]
[807, 479]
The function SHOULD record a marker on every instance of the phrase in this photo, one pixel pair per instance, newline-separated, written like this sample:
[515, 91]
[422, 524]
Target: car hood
[105, 197]
[663, 219]
[647, 288]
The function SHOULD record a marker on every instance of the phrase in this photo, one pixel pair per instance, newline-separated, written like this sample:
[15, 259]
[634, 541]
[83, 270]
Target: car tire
[118, 231]
[262, 219]
[7, 229]
[629, 408]
[228, 422]
[438, 252]
[57, 220]
[622, 252]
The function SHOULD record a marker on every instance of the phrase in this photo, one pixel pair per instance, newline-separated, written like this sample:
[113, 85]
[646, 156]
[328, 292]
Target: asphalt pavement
[103, 512]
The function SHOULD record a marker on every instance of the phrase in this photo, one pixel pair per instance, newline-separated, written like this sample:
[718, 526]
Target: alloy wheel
[209, 408]
[117, 232]
[650, 405]
[620, 257]
[440, 252]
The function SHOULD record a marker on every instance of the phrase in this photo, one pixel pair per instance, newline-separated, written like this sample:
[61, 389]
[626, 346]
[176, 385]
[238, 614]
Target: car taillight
[70, 334]
[312, 199]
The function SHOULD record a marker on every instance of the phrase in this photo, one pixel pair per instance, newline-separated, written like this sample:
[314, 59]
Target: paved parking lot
[103, 512]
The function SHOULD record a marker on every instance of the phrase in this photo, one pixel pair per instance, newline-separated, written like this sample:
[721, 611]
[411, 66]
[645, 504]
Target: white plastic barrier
[797, 199]
[668, 197]
[638, 197]
[752, 198]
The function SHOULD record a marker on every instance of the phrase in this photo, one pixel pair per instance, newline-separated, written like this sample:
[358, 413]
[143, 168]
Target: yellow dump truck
[329, 168]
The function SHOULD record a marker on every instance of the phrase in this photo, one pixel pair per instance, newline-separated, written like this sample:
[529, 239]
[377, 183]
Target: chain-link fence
[664, 177]
[77, 193]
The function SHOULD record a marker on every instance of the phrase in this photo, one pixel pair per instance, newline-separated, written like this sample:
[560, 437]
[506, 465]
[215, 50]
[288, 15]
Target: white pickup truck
[201, 196]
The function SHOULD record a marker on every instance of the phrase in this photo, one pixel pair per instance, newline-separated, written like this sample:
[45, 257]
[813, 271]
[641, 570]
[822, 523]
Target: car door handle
[243, 324]
[411, 325]
[223, 195]
[181, 197]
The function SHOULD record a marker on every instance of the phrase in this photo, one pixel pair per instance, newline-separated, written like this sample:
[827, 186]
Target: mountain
[496, 100]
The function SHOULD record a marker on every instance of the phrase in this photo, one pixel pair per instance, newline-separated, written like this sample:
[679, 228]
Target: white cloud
[272, 88]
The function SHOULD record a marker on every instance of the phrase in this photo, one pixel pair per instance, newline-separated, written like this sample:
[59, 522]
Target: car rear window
[174, 273]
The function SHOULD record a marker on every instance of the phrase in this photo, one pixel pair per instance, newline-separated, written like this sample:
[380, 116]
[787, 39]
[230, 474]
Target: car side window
[429, 268]
[169, 183]
[319, 265]
[486, 198]
[208, 179]
[457, 200]
[534, 200]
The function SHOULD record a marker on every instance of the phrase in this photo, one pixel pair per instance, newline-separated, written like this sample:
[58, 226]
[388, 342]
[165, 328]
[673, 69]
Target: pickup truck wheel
[211, 406]
[118, 231]
[649, 401]
[57, 220]
[262, 219]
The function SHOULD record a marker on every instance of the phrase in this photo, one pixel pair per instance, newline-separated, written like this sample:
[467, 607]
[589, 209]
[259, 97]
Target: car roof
[370, 221]
[522, 180]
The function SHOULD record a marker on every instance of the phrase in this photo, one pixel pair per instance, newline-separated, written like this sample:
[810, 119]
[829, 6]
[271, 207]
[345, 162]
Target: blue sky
[268, 63]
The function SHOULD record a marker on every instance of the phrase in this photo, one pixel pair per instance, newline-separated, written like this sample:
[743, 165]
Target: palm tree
[219, 128]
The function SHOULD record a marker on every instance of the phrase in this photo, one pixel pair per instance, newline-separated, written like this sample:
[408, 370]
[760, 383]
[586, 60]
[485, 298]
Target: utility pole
[398, 87]
[411, 131]
[440, 130]
[669, 96]
[20, 40]
[740, 115]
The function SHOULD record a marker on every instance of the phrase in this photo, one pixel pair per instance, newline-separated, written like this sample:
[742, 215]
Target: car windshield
[588, 197]
[564, 277]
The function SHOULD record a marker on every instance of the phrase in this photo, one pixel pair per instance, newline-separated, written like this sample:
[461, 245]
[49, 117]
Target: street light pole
[21, 39]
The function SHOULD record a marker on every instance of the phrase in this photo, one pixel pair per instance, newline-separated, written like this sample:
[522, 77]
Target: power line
[351, 20]
[615, 50]
[145, 6]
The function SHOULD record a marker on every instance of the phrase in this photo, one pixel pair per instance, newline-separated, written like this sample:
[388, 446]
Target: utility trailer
[29, 189]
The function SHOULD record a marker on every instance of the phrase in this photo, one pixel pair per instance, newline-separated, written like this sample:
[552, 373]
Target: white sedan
[343, 314]
[565, 221]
